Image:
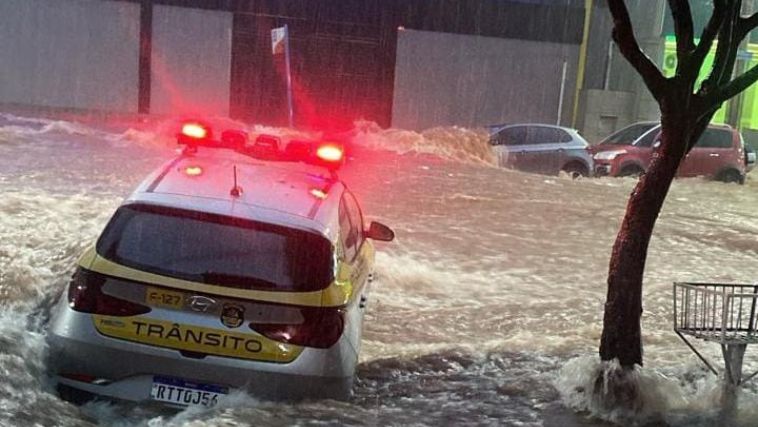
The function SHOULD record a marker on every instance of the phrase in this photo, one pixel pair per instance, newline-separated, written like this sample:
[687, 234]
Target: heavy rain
[487, 308]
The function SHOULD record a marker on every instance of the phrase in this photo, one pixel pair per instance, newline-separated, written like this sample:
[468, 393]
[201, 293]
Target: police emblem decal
[232, 315]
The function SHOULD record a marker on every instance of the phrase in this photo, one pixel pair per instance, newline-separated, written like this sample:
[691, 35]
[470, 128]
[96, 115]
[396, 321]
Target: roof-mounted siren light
[266, 147]
[330, 154]
[194, 133]
[234, 138]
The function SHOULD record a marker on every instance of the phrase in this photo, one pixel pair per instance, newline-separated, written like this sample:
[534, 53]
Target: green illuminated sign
[749, 114]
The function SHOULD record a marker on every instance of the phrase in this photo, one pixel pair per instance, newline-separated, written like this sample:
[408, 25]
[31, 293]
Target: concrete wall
[605, 112]
[71, 54]
[450, 79]
[191, 61]
[626, 99]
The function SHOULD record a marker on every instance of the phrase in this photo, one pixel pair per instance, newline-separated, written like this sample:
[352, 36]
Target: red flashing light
[193, 170]
[195, 130]
[330, 153]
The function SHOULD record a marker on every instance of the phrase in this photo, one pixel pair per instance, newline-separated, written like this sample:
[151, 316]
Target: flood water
[487, 309]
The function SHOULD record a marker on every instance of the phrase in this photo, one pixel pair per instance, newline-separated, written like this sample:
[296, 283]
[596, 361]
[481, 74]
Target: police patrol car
[235, 265]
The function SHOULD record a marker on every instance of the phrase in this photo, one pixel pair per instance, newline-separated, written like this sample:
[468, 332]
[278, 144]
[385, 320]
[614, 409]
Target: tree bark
[684, 117]
[622, 336]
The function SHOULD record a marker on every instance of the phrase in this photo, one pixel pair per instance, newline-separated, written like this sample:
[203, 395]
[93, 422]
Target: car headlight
[609, 155]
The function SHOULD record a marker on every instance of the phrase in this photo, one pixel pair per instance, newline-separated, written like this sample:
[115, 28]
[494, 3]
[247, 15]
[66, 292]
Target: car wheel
[731, 176]
[632, 170]
[575, 170]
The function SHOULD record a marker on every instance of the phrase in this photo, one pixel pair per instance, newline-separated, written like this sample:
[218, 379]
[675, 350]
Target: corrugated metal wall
[70, 54]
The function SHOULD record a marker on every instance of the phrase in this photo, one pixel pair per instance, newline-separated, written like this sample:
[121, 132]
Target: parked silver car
[542, 149]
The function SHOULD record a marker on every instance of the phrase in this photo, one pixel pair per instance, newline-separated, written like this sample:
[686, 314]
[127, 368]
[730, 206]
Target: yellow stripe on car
[215, 342]
[337, 294]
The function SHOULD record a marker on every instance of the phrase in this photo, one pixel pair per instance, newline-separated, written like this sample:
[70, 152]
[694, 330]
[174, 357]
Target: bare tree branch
[737, 85]
[623, 35]
[698, 127]
[746, 25]
[726, 50]
[708, 35]
[683, 28]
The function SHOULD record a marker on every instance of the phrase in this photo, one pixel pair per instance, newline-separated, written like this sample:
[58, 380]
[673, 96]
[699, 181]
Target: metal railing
[723, 313]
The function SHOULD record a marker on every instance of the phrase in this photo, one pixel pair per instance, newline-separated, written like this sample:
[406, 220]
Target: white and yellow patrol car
[235, 265]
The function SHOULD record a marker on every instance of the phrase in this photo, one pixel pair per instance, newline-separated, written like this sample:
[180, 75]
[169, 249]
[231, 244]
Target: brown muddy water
[487, 309]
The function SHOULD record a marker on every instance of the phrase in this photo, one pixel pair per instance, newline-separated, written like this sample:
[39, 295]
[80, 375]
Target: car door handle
[714, 155]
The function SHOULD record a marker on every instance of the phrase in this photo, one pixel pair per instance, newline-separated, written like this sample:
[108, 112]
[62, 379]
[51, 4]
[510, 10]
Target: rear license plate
[185, 393]
[163, 298]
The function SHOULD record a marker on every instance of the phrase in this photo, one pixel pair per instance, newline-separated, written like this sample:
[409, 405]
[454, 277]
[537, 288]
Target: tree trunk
[622, 336]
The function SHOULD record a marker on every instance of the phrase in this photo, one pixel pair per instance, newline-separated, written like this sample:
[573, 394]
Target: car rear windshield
[217, 250]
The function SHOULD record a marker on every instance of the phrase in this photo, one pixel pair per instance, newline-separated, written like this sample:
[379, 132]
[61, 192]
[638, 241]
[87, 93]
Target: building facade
[409, 63]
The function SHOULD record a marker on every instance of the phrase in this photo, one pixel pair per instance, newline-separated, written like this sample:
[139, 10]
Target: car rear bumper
[124, 370]
[267, 386]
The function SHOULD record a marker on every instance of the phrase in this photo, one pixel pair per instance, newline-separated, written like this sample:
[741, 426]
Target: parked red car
[719, 154]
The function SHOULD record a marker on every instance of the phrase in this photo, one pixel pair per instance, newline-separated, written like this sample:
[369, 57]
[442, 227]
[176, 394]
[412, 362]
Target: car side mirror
[380, 232]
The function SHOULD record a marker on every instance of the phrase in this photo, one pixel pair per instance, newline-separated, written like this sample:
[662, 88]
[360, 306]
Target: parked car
[493, 129]
[542, 149]
[719, 155]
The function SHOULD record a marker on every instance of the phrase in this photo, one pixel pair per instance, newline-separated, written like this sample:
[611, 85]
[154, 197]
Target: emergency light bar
[330, 155]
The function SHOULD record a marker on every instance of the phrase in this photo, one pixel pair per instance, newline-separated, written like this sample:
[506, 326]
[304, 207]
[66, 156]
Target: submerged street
[487, 309]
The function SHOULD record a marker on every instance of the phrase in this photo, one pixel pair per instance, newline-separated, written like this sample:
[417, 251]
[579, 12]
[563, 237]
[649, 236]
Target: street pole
[560, 97]
[582, 61]
[287, 65]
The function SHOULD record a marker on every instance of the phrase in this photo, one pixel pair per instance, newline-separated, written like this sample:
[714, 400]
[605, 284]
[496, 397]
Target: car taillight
[321, 328]
[85, 294]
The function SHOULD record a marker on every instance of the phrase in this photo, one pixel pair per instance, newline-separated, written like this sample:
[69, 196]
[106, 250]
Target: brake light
[195, 130]
[329, 153]
[320, 328]
[85, 295]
